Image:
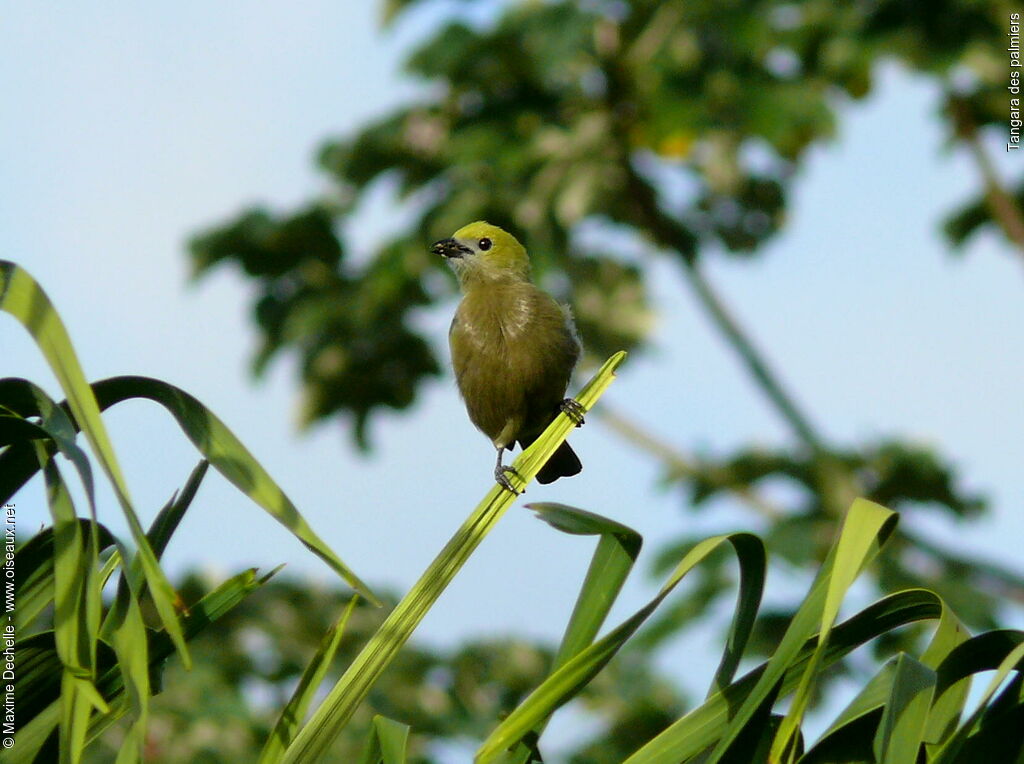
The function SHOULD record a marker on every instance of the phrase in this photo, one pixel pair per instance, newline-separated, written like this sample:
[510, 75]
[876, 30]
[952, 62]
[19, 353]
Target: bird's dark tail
[563, 463]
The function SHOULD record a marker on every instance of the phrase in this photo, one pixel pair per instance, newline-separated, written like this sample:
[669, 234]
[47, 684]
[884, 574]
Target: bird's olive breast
[513, 352]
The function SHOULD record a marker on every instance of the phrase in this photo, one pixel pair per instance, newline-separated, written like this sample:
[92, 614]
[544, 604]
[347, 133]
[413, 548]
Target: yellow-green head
[481, 252]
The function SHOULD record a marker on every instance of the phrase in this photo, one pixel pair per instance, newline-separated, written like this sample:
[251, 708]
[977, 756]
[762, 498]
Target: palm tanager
[513, 347]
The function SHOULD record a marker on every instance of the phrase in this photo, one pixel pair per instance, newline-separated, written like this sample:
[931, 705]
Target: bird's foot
[573, 409]
[501, 473]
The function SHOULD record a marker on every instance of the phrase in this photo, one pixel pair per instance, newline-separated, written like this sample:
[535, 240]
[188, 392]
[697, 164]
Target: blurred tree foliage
[606, 133]
[246, 668]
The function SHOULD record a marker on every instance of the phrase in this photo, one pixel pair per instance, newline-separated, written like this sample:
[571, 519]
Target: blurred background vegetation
[246, 665]
[607, 136]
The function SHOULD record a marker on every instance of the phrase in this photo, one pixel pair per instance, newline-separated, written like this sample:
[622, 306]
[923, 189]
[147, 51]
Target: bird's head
[481, 252]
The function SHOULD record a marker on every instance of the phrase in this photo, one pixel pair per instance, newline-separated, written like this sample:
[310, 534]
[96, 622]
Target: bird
[513, 347]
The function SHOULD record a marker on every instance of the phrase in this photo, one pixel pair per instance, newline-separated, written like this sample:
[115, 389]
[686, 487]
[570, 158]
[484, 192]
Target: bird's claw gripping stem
[502, 478]
[501, 473]
[573, 409]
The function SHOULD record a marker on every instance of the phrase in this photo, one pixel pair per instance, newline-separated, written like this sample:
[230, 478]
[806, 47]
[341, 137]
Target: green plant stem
[314, 739]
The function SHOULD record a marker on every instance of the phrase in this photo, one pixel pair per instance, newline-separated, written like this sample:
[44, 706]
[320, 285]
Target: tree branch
[752, 359]
[679, 464]
[670, 233]
[1001, 204]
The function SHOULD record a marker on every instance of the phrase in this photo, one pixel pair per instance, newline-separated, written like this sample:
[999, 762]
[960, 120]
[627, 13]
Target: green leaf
[705, 725]
[211, 607]
[905, 718]
[15, 430]
[295, 710]
[613, 559]
[1002, 651]
[997, 736]
[76, 613]
[39, 678]
[227, 455]
[168, 518]
[753, 568]
[31, 736]
[950, 695]
[859, 719]
[387, 742]
[567, 681]
[865, 529]
[24, 299]
[126, 631]
[124, 626]
[219, 445]
[33, 574]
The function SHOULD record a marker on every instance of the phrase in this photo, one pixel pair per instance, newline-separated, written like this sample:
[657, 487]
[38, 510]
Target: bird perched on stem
[513, 347]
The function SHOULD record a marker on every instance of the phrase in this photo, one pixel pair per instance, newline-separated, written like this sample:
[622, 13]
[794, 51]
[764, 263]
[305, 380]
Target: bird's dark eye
[484, 244]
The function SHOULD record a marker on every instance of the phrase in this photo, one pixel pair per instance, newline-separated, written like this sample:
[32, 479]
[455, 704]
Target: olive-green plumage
[513, 347]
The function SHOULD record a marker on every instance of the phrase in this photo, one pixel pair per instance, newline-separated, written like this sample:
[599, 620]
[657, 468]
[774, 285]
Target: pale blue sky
[127, 128]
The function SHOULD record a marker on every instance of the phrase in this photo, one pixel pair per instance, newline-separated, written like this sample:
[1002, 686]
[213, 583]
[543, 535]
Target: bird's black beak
[450, 248]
